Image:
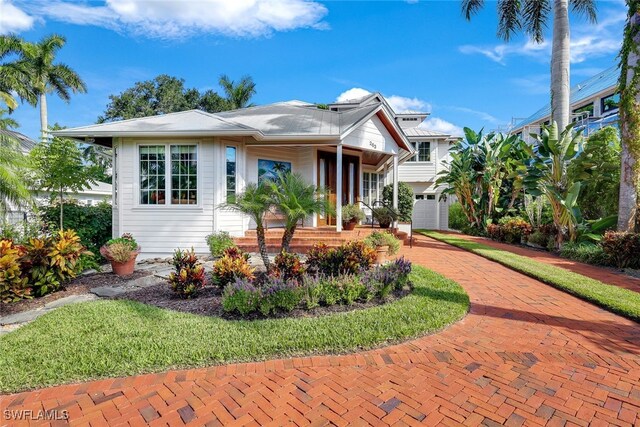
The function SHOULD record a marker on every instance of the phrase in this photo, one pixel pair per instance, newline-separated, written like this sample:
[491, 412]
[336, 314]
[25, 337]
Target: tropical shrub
[288, 266]
[20, 232]
[400, 269]
[233, 265]
[623, 248]
[92, 223]
[514, 229]
[318, 260]
[218, 242]
[279, 294]
[349, 258]
[380, 238]
[538, 238]
[457, 218]
[585, 252]
[13, 283]
[405, 200]
[352, 213]
[189, 276]
[241, 296]
[495, 232]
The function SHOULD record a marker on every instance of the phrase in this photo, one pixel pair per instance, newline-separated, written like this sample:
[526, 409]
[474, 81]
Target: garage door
[425, 214]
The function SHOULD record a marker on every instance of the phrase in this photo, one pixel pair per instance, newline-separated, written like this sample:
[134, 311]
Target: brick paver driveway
[526, 354]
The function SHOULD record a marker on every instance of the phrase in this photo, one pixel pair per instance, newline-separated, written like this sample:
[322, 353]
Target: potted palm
[384, 243]
[351, 216]
[385, 216]
[122, 253]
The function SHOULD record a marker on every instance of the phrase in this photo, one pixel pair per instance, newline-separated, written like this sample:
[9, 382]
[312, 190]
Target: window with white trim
[423, 151]
[371, 187]
[180, 173]
[231, 155]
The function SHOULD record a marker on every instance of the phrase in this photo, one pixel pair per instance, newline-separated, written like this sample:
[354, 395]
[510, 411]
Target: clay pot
[350, 225]
[381, 254]
[125, 268]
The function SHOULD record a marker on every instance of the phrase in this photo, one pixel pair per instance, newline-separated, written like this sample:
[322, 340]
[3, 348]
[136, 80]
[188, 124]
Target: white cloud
[440, 125]
[13, 19]
[587, 41]
[534, 84]
[398, 103]
[175, 19]
[483, 115]
[352, 94]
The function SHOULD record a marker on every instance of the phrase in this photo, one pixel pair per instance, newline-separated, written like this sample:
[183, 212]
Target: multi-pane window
[231, 174]
[152, 175]
[371, 187]
[583, 112]
[184, 175]
[179, 172]
[610, 103]
[423, 151]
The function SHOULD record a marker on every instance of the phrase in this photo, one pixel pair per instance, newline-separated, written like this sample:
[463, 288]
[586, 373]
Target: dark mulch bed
[79, 285]
[209, 303]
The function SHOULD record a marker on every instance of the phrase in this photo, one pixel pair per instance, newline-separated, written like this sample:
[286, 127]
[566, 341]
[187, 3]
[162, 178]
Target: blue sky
[421, 55]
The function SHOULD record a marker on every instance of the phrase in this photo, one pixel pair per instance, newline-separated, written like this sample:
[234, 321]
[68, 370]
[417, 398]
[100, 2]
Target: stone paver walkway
[527, 354]
[604, 275]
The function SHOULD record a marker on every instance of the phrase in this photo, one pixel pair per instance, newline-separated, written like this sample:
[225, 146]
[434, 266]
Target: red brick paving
[605, 275]
[527, 354]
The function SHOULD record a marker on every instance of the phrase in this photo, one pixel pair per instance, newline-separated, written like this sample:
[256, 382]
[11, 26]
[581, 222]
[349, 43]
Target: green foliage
[15, 72]
[20, 232]
[405, 200]
[485, 175]
[598, 167]
[352, 213]
[218, 242]
[585, 252]
[278, 294]
[115, 338]
[13, 166]
[241, 296]
[539, 238]
[385, 215]
[92, 223]
[189, 276]
[514, 229]
[58, 168]
[383, 238]
[288, 267]
[234, 264]
[238, 95]
[623, 248]
[457, 219]
[349, 258]
[547, 176]
[613, 298]
[13, 283]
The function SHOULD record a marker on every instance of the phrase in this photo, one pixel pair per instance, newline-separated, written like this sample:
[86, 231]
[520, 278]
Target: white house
[173, 171]
[594, 105]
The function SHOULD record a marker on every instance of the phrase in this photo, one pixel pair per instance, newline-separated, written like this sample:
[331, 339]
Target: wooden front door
[327, 177]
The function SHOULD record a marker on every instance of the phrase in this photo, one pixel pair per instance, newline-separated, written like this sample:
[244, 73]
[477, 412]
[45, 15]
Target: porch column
[339, 188]
[395, 186]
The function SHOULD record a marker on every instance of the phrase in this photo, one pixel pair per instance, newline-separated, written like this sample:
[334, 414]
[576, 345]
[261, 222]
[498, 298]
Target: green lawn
[612, 298]
[115, 338]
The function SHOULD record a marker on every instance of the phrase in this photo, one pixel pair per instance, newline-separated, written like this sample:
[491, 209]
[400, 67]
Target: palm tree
[15, 77]
[531, 16]
[7, 122]
[47, 77]
[254, 201]
[13, 190]
[238, 94]
[630, 120]
[296, 200]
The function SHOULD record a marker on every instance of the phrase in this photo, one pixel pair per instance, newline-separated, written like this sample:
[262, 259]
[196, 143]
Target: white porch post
[395, 186]
[339, 188]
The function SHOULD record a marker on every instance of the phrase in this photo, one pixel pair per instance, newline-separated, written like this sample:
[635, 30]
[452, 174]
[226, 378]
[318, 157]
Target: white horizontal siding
[417, 172]
[372, 135]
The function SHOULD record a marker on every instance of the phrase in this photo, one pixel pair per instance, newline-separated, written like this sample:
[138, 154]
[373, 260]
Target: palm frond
[587, 8]
[534, 16]
[471, 7]
[508, 18]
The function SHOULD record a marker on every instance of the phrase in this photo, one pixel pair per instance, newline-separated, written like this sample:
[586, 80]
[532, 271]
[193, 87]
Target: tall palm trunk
[560, 63]
[262, 246]
[44, 126]
[287, 237]
[629, 127]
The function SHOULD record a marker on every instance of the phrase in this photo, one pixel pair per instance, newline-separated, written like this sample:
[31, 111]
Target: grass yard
[612, 298]
[115, 338]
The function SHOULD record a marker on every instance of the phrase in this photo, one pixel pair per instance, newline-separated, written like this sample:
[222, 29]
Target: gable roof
[607, 79]
[415, 132]
[283, 120]
[26, 143]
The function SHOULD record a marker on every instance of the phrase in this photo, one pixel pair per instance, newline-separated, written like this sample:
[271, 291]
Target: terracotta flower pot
[381, 254]
[349, 225]
[124, 268]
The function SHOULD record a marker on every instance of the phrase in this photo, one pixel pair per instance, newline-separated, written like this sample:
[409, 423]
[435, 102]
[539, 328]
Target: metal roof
[26, 143]
[607, 79]
[419, 132]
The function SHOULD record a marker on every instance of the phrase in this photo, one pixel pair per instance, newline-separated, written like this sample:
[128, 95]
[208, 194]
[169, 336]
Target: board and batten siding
[159, 229]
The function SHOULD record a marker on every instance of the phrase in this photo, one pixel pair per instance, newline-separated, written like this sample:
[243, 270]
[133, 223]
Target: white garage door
[425, 214]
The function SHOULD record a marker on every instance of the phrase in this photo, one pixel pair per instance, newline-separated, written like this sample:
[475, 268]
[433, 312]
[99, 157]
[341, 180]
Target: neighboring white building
[173, 172]
[594, 105]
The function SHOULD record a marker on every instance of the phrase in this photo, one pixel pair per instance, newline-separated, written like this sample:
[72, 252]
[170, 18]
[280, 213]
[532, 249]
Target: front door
[327, 176]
